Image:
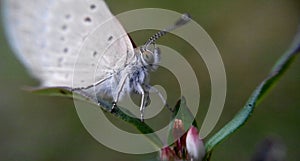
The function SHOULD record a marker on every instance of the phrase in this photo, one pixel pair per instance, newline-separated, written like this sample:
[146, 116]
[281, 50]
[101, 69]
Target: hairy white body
[133, 77]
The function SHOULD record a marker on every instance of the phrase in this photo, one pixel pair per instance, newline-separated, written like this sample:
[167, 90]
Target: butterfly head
[150, 58]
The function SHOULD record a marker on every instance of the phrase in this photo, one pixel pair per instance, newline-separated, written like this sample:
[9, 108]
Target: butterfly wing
[22, 33]
[71, 43]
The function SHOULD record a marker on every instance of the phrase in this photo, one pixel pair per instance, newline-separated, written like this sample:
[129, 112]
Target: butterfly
[79, 44]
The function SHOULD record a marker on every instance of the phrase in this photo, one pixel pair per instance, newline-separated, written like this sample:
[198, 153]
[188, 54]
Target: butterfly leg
[119, 90]
[140, 89]
[154, 90]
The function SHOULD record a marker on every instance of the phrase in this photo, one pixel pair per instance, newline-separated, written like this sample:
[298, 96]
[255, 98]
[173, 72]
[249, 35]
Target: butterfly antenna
[185, 18]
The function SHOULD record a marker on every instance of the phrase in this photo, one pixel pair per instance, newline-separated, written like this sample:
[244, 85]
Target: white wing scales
[56, 38]
[21, 31]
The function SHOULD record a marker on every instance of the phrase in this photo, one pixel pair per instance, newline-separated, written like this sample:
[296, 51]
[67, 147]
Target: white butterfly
[79, 44]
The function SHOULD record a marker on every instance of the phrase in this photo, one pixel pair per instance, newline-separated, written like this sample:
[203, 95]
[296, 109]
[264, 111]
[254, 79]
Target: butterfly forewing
[24, 27]
[71, 43]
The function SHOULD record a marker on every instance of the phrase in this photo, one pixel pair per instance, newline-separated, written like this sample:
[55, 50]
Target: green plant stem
[244, 114]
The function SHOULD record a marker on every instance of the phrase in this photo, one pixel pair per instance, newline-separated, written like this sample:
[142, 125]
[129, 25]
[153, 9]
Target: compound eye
[148, 57]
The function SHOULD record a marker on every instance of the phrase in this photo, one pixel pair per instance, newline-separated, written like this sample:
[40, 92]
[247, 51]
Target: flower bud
[194, 144]
[167, 154]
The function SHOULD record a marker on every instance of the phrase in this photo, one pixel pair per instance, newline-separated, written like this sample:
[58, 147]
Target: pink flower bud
[167, 154]
[194, 144]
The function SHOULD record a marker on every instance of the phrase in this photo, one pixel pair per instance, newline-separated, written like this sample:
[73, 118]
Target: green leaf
[118, 112]
[261, 90]
[181, 112]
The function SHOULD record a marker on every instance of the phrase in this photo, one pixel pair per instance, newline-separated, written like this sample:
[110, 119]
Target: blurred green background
[251, 36]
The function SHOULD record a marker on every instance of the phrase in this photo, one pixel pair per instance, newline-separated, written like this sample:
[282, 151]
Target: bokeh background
[251, 36]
